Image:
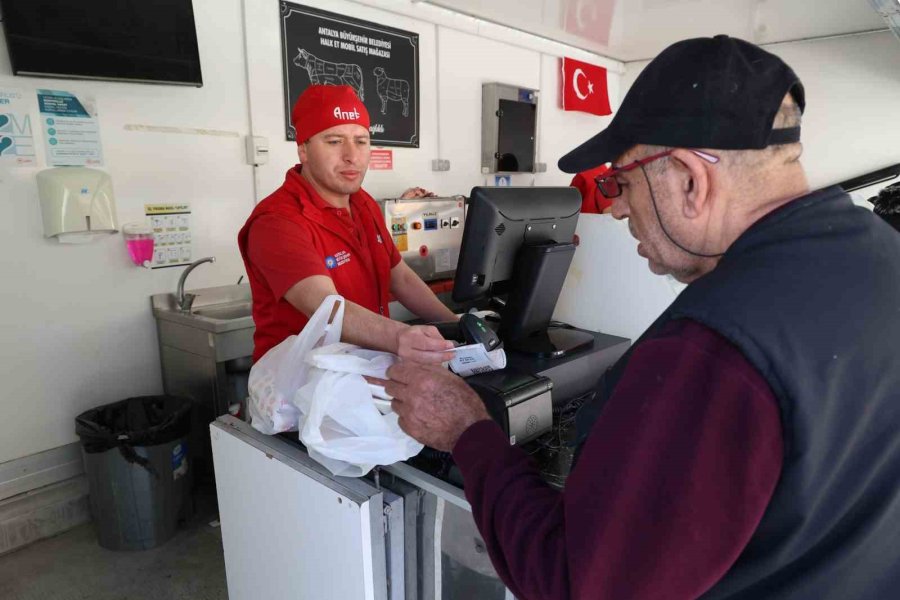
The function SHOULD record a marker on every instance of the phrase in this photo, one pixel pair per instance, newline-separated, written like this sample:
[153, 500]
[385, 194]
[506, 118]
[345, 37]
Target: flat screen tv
[151, 41]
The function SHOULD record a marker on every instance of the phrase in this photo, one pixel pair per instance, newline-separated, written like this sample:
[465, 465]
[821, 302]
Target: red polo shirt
[294, 234]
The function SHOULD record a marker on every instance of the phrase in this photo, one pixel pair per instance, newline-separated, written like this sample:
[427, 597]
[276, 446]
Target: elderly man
[320, 233]
[748, 444]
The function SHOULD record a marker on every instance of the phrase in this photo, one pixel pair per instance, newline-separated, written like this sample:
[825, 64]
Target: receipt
[472, 359]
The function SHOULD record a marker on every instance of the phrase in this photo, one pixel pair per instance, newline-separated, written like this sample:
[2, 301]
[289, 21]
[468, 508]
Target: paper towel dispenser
[76, 203]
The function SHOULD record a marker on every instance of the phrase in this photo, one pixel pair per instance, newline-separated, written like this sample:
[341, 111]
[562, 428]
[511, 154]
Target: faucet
[182, 300]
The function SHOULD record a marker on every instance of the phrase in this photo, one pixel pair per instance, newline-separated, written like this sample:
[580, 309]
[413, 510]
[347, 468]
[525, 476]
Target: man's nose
[352, 153]
[619, 209]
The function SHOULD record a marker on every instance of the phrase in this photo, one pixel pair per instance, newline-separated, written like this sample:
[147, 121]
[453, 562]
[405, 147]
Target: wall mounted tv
[152, 41]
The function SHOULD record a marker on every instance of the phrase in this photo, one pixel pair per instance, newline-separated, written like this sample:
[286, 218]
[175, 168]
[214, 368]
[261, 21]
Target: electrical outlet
[257, 148]
[440, 164]
[540, 167]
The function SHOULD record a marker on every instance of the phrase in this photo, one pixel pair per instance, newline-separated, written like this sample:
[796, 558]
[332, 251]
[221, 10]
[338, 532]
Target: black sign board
[380, 63]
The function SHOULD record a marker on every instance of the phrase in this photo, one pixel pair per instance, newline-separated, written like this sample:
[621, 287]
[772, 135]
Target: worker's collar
[315, 199]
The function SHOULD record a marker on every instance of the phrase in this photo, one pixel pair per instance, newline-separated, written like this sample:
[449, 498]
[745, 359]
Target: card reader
[520, 402]
[469, 329]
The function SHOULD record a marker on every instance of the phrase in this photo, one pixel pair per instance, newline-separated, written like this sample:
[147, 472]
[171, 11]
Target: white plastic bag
[347, 358]
[345, 427]
[277, 376]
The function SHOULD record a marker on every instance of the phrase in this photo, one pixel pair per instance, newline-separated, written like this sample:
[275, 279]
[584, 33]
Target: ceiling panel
[630, 30]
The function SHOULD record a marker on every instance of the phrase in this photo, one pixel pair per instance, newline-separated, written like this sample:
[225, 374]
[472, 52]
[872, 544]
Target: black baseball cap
[718, 92]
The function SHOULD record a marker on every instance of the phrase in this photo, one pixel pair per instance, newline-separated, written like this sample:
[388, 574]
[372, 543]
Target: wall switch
[440, 164]
[257, 150]
[540, 167]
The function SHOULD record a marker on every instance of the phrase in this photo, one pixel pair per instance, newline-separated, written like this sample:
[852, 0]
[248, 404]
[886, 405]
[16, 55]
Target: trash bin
[138, 469]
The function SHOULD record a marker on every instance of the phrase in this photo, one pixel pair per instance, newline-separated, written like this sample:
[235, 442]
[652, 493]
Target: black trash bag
[887, 205]
[887, 202]
[139, 421]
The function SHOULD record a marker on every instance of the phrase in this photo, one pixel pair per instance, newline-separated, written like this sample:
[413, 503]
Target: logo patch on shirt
[340, 258]
[378, 237]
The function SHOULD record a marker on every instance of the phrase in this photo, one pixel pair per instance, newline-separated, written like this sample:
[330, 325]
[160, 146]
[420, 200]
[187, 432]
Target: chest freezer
[291, 530]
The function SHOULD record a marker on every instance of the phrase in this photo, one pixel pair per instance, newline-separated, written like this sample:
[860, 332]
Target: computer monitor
[517, 244]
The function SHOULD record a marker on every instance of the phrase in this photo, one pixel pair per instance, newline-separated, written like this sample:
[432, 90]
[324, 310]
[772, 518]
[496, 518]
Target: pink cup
[139, 241]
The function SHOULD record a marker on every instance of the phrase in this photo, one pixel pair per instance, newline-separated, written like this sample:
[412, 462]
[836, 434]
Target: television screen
[129, 40]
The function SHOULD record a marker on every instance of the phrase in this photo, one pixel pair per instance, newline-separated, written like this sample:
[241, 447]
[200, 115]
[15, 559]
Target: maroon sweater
[671, 483]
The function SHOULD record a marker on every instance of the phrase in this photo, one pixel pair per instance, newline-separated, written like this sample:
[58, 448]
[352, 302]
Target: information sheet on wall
[16, 139]
[381, 160]
[71, 129]
[171, 224]
[381, 63]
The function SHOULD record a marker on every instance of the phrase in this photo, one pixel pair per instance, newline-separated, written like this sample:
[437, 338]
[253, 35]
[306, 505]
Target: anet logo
[345, 115]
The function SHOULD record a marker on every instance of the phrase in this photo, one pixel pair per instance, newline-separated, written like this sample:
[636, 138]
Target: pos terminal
[516, 249]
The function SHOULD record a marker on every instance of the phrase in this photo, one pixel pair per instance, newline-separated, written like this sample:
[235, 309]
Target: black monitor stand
[539, 274]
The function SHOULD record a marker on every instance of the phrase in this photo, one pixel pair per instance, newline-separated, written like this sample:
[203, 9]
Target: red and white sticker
[381, 160]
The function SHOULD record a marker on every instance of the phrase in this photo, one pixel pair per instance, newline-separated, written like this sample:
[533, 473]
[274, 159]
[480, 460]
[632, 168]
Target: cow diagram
[391, 89]
[323, 72]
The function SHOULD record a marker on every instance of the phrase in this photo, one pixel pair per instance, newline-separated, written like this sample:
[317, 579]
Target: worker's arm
[416, 296]
[362, 327]
[671, 484]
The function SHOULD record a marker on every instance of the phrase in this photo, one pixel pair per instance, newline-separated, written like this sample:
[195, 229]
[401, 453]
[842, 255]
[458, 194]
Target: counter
[404, 532]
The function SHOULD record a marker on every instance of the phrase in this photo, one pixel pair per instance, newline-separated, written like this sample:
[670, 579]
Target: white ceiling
[630, 30]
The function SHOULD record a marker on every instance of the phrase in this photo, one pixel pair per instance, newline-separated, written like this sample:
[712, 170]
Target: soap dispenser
[77, 203]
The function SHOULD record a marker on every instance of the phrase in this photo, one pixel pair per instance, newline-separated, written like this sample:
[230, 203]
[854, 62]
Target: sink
[225, 312]
[215, 310]
[205, 354]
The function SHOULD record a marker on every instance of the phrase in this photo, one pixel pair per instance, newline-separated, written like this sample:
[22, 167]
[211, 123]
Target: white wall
[608, 287]
[642, 29]
[852, 84]
[76, 322]
[851, 124]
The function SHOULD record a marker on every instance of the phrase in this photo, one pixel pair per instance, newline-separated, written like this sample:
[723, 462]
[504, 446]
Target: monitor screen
[131, 40]
[518, 243]
[499, 221]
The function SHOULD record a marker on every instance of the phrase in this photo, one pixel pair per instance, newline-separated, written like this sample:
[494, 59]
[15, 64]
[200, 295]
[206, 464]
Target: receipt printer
[520, 402]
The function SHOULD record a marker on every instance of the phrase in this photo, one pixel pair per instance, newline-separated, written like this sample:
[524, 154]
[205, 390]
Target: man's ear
[693, 182]
[301, 152]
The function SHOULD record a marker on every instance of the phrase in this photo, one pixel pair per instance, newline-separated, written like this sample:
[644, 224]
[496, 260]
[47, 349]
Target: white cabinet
[289, 529]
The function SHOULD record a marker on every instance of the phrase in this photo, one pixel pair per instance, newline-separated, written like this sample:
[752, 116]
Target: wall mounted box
[427, 232]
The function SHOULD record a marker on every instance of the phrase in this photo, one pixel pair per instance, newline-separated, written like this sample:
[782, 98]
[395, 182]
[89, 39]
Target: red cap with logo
[321, 107]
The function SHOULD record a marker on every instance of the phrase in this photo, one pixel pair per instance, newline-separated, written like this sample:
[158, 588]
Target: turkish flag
[584, 87]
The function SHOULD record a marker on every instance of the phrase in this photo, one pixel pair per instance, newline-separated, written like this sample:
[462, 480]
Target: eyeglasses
[609, 186]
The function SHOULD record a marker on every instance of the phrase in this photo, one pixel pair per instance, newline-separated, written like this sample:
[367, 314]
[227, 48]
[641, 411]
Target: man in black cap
[748, 445]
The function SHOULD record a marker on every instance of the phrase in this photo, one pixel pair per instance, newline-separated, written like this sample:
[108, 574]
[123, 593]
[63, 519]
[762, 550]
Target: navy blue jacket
[811, 296]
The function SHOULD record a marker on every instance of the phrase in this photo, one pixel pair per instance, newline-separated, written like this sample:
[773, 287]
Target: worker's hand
[433, 405]
[423, 344]
[417, 192]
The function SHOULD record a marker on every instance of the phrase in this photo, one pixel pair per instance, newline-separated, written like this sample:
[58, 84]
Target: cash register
[516, 249]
